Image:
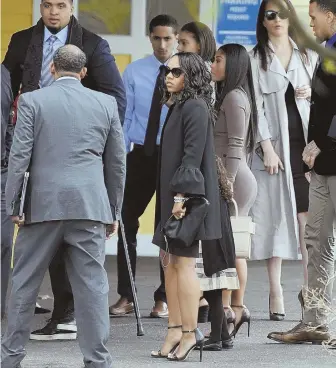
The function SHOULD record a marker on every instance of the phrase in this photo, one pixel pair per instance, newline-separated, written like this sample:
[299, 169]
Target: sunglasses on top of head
[176, 72]
[272, 14]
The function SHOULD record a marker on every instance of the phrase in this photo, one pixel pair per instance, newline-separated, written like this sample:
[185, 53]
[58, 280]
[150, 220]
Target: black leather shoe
[56, 330]
[211, 345]
[227, 344]
[40, 310]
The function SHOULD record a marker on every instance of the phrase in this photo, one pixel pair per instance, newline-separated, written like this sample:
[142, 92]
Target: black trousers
[219, 327]
[141, 176]
[61, 288]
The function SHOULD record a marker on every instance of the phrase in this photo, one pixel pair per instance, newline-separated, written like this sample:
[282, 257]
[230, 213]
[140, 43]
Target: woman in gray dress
[235, 133]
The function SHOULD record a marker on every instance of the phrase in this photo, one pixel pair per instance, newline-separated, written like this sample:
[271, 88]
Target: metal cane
[135, 299]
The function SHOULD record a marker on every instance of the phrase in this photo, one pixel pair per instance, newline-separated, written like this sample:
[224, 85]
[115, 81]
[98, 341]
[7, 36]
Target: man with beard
[28, 60]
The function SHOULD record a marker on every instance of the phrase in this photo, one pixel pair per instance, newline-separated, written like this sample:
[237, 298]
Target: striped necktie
[46, 76]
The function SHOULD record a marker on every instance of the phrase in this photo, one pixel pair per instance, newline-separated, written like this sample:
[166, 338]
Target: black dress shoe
[227, 344]
[56, 330]
[211, 345]
[40, 310]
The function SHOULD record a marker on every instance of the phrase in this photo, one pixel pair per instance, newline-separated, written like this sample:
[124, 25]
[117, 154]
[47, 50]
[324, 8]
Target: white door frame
[137, 44]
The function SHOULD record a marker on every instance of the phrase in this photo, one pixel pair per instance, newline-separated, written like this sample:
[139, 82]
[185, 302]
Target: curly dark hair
[197, 79]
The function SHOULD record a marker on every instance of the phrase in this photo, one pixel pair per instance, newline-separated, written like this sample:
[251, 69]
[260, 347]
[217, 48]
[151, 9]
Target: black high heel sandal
[199, 343]
[158, 354]
[245, 318]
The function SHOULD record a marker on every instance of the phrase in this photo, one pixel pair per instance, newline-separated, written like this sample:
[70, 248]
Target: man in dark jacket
[320, 157]
[28, 59]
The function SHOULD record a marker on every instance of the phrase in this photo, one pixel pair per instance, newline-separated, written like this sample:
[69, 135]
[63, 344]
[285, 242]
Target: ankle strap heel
[172, 327]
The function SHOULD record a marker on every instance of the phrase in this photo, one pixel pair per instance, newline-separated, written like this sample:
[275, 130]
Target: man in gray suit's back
[70, 140]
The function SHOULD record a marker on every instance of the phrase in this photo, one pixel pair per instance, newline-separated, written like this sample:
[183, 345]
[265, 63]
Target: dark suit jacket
[322, 111]
[6, 102]
[189, 168]
[102, 76]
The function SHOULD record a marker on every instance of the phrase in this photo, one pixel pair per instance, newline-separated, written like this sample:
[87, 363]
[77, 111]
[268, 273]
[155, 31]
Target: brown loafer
[121, 307]
[160, 310]
[302, 333]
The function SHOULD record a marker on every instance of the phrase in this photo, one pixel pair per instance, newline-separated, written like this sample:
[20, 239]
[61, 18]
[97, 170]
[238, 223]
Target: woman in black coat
[187, 167]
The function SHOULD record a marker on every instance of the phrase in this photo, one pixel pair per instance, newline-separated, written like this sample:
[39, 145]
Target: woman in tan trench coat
[282, 78]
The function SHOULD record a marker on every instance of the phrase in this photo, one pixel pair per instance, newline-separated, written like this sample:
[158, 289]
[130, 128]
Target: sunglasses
[176, 72]
[272, 14]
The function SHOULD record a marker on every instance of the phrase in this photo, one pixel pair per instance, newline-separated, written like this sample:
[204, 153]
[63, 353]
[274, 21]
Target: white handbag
[243, 228]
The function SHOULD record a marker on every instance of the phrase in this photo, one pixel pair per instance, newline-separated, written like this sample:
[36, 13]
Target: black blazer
[322, 111]
[187, 165]
[102, 75]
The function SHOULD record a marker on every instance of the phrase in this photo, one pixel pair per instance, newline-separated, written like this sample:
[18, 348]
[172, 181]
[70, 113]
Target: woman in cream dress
[282, 78]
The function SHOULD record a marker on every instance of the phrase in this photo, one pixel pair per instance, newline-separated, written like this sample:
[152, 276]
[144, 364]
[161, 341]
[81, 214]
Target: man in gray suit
[70, 140]
[7, 227]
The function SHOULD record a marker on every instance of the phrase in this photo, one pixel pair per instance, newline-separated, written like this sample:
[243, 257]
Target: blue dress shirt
[331, 41]
[61, 39]
[139, 80]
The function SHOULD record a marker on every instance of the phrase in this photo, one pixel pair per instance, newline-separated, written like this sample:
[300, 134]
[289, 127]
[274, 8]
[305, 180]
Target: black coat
[322, 111]
[187, 165]
[102, 74]
[6, 126]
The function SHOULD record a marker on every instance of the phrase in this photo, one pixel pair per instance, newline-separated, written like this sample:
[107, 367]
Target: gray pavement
[130, 351]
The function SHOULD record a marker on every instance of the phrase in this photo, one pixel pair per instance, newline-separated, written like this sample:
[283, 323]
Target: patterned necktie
[154, 114]
[46, 76]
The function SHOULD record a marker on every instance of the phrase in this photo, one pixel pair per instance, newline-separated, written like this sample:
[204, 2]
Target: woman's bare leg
[237, 298]
[302, 219]
[274, 276]
[188, 291]
[173, 335]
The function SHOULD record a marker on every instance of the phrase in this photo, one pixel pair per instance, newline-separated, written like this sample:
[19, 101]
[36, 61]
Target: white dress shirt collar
[158, 62]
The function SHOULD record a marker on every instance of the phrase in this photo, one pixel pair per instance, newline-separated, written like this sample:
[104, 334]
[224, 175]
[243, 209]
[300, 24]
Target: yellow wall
[122, 61]
[15, 15]
[301, 7]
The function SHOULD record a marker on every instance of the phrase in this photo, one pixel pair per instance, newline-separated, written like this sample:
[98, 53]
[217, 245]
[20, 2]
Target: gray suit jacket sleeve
[115, 164]
[20, 155]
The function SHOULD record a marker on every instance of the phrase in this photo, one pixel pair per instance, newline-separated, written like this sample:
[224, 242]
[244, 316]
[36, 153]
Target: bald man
[63, 134]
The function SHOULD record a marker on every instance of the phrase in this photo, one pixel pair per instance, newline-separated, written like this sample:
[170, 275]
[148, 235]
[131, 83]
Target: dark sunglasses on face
[272, 14]
[176, 72]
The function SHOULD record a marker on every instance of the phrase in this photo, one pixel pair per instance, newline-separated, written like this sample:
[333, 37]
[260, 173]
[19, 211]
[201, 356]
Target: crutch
[135, 299]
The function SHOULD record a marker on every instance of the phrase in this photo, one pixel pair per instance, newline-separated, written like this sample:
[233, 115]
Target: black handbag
[183, 232]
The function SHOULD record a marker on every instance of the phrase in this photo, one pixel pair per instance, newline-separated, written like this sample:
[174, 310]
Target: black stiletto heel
[245, 318]
[199, 344]
[158, 354]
